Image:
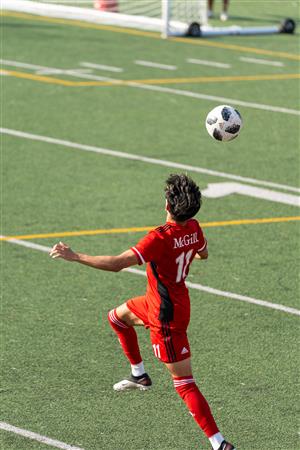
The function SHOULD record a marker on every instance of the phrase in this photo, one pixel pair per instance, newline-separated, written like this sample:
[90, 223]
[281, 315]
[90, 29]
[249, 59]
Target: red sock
[196, 403]
[127, 337]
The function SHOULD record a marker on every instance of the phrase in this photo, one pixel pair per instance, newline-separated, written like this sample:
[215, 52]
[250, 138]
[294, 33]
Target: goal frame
[165, 25]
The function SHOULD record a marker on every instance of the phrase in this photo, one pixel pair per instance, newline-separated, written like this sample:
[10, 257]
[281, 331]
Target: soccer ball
[224, 123]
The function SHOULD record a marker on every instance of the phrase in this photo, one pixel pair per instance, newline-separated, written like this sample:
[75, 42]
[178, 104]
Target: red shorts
[168, 344]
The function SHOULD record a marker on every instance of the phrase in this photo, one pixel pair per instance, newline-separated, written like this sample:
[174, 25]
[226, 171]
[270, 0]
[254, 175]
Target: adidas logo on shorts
[184, 351]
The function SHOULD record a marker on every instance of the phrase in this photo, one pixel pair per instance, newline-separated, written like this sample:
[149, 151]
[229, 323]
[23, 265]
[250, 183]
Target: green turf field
[59, 356]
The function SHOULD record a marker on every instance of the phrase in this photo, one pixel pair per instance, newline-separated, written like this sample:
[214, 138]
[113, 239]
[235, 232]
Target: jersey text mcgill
[188, 239]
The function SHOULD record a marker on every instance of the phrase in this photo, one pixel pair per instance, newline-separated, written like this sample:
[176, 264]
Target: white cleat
[132, 383]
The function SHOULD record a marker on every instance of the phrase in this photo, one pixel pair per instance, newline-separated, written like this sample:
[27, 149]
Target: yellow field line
[187, 80]
[202, 42]
[250, 221]
[141, 229]
[50, 80]
[42, 78]
[239, 48]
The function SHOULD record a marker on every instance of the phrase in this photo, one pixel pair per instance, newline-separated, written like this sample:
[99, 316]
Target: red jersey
[169, 251]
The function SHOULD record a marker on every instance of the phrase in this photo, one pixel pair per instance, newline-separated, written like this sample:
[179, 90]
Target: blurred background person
[224, 13]
[106, 5]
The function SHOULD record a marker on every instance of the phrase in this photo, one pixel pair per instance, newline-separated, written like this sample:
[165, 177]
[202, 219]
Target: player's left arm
[202, 255]
[110, 263]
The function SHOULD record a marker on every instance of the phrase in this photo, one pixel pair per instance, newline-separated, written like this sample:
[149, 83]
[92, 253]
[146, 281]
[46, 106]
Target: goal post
[168, 17]
[190, 18]
[177, 16]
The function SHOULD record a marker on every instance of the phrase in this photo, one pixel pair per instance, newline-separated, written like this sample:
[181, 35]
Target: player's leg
[225, 5]
[210, 8]
[122, 320]
[187, 389]
[224, 13]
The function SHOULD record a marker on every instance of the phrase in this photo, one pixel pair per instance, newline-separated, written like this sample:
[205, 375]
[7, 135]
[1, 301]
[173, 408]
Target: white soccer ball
[224, 123]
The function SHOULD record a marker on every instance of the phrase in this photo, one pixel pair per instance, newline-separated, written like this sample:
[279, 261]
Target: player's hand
[62, 250]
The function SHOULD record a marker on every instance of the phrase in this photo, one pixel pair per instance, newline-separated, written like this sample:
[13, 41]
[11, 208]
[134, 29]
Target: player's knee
[127, 316]
[115, 321]
[123, 314]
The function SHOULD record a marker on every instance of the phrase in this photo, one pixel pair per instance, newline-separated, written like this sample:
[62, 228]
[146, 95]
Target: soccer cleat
[226, 446]
[142, 383]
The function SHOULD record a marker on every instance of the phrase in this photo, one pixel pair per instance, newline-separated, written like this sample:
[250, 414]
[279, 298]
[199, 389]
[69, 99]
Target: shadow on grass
[251, 19]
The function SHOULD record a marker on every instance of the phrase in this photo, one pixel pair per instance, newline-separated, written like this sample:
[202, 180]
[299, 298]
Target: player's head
[183, 197]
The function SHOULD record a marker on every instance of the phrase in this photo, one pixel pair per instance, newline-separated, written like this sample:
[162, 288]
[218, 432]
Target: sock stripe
[115, 320]
[178, 383]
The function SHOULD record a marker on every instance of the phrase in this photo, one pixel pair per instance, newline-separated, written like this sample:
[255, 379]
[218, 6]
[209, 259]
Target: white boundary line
[101, 67]
[79, 73]
[196, 286]
[37, 437]
[173, 91]
[204, 62]
[242, 298]
[155, 65]
[266, 62]
[224, 100]
[159, 162]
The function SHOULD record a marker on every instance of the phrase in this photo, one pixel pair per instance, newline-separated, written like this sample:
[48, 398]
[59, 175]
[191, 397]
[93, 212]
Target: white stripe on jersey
[139, 253]
[203, 247]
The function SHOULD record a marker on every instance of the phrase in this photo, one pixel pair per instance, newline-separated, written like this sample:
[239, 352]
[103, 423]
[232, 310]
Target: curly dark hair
[183, 197]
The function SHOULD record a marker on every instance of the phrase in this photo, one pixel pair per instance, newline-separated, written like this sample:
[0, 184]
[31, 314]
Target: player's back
[169, 251]
[180, 245]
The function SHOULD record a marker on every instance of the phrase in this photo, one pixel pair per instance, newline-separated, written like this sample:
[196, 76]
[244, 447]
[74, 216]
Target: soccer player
[165, 308]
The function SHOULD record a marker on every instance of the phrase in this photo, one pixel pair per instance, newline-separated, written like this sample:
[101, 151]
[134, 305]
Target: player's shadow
[277, 17]
[251, 19]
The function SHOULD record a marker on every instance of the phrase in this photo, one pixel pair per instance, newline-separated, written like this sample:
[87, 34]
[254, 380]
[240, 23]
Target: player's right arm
[110, 263]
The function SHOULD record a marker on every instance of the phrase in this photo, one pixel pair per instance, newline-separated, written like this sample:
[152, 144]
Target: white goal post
[178, 15]
[169, 17]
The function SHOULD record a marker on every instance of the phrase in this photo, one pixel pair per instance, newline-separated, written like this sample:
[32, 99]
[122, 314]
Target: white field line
[81, 72]
[214, 98]
[208, 63]
[53, 70]
[101, 67]
[41, 248]
[196, 286]
[266, 62]
[155, 65]
[131, 156]
[242, 298]
[172, 91]
[218, 190]
[37, 437]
